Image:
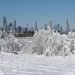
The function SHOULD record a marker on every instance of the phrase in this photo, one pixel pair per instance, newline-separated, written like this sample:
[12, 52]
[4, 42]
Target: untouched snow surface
[24, 64]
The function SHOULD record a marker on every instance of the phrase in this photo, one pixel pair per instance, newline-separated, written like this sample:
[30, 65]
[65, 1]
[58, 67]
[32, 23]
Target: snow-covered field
[24, 64]
[46, 53]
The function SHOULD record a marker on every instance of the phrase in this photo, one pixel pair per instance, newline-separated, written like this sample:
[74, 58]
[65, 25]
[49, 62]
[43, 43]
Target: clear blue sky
[27, 11]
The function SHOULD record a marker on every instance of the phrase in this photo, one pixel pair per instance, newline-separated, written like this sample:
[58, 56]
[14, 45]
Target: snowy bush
[52, 43]
[8, 43]
[39, 41]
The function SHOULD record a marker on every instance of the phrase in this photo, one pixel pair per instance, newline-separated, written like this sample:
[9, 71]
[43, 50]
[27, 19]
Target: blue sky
[27, 11]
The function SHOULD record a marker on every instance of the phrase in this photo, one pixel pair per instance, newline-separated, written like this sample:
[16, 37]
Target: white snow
[25, 44]
[24, 64]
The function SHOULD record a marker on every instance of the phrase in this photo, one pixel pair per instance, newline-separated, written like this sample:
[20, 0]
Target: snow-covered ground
[46, 53]
[26, 43]
[24, 64]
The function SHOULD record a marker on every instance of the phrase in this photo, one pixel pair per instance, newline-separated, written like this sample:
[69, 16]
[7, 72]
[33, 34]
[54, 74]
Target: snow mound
[52, 43]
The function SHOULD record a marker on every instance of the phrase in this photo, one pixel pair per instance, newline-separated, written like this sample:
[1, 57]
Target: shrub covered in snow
[52, 43]
[8, 43]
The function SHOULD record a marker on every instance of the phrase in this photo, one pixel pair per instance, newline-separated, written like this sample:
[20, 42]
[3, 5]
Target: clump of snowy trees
[52, 43]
